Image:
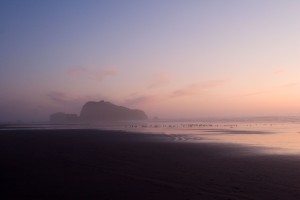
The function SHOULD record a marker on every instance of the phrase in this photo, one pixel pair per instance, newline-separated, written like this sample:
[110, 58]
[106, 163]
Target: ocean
[271, 135]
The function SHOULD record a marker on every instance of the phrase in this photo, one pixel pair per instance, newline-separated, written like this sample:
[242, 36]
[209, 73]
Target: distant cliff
[99, 111]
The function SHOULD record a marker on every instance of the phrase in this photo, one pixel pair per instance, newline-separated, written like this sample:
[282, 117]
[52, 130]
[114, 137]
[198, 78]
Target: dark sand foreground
[93, 164]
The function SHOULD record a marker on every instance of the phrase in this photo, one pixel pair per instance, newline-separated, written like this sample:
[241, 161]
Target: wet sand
[94, 164]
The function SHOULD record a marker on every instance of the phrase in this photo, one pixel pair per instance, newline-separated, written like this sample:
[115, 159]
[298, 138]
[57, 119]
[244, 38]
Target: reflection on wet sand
[277, 137]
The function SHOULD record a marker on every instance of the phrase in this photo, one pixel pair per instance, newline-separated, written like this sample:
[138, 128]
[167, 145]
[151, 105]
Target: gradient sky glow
[171, 58]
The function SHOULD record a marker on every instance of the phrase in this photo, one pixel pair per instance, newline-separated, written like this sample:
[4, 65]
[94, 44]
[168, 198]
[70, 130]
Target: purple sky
[170, 58]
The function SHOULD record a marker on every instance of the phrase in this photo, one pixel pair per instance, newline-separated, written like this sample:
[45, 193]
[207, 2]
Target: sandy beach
[95, 164]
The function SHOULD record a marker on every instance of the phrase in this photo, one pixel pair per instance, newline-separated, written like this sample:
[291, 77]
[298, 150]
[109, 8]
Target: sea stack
[106, 111]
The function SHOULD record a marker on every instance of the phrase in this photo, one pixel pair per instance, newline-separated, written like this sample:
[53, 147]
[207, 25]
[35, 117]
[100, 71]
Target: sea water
[275, 135]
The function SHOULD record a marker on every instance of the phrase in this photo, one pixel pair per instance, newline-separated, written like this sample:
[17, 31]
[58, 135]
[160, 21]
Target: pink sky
[172, 59]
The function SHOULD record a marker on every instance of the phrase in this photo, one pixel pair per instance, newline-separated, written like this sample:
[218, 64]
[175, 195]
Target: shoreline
[102, 164]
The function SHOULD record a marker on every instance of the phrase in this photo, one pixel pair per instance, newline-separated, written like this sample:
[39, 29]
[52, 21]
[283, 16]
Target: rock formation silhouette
[99, 111]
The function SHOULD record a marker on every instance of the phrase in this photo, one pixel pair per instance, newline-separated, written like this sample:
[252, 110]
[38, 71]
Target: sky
[170, 58]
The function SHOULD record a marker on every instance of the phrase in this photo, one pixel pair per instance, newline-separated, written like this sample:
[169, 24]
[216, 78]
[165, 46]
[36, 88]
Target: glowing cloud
[293, 84]
[159, 79]
[77, 71]
[195, 89]
[103, 73]
[140, 100]
[252, 94]
[58, 97]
